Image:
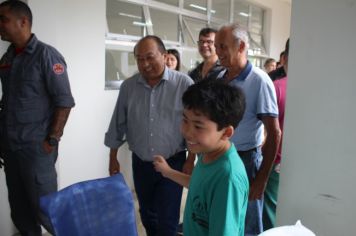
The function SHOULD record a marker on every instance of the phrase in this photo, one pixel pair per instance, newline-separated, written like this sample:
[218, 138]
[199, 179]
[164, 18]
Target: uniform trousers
[30, 174]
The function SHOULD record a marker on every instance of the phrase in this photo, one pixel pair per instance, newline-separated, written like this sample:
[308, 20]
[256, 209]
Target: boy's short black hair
[220, 102]
[19, 8]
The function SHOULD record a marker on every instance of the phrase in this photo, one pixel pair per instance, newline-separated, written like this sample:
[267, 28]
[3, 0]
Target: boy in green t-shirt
[218, 187]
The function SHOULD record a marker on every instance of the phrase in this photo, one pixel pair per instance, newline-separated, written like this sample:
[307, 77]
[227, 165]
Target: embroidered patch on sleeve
[58, 68]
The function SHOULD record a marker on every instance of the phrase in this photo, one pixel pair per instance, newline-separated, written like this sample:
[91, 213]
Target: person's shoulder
[260, 77]
[256, 71]
[179, 77]
[280, 81]
[196, 69]
[48, 50]
[237, 167]
[277, 73]
[130, 81]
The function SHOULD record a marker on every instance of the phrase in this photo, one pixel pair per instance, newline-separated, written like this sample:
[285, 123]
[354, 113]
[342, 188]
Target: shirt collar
[31, 45]
[244, 73]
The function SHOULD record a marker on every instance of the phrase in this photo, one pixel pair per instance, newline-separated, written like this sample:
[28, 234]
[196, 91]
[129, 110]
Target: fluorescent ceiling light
[129, 15]
[243, 14]
[201, 8]
[141, 23]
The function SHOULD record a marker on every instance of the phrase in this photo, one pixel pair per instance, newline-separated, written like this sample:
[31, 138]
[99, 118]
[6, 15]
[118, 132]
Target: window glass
[196, 5]
[190, 58]
[241, 13]
[170, 2]
[126, 24]
[215, 25]
[191, 30]
[165, 24]
[120, 64]
[256, 20]
[221, 9]
[124, 18]
[256, 44]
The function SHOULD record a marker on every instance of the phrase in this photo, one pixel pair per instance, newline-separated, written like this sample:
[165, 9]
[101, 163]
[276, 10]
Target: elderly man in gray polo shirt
[231, 43]
[147, 115]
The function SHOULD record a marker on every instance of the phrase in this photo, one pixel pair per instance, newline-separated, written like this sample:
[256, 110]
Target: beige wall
[318, 165]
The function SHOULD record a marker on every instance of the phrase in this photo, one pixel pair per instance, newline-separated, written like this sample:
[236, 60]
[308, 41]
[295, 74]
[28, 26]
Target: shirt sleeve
[116, 134]
[267, 102]
[227, 212]
[56, 77]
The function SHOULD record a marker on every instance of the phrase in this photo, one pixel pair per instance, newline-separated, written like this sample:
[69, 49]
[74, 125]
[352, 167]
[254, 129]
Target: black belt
[247, 151]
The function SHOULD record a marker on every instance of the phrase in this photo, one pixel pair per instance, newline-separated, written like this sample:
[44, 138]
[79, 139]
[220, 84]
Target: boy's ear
[229, 131]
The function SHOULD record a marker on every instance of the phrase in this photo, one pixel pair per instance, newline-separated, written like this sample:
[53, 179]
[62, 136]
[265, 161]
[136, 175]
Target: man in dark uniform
[35, 105]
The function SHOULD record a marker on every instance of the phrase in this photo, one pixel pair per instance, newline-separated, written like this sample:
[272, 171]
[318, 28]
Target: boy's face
[201, 133]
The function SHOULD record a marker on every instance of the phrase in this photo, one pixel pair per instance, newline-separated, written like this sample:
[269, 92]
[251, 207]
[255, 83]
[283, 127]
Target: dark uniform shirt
[216, 72]
[34, 82]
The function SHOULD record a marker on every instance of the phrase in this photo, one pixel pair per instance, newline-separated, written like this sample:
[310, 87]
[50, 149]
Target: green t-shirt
[217, 197]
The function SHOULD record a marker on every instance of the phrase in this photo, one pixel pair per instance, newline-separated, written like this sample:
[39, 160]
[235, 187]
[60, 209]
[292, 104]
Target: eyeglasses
[202, 42]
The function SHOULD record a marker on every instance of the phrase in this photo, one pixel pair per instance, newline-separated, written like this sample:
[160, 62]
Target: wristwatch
[52, 141]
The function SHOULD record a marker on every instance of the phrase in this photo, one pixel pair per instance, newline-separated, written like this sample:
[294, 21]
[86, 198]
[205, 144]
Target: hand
[161, 165]
[114, 166]
[47, 148]
[257, 188]
[188, 167]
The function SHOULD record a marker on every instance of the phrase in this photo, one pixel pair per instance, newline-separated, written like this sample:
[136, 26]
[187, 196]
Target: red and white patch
[58, 68]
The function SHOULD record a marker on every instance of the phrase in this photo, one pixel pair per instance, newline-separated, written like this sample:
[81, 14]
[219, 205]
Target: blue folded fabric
[100, 207]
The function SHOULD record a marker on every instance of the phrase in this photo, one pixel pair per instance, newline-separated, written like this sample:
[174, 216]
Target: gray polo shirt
[260, 101]
[149, 118]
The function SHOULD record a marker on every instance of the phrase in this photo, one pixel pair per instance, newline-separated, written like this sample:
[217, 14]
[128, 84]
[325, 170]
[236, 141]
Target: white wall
[77, 30]
[318, 166]
[277, 24]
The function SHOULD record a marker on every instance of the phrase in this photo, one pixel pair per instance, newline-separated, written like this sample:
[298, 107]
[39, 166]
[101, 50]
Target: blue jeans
[30, 174]
[253, 222]
[159, 198]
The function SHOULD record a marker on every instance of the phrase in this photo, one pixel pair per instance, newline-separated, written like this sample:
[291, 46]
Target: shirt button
[152, 149]
[151, 134]
[151, 119]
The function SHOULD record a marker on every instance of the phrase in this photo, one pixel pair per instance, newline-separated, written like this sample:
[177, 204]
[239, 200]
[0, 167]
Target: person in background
[270, 65]
[279, 72]
[218, 188]
[173, 59]
[281, 61]
[271, 192]
[210, 67]
[35, 106]
[147, 115]
[231, 44]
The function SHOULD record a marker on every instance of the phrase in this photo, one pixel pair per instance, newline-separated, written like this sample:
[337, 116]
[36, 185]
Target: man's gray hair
[239, 32]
